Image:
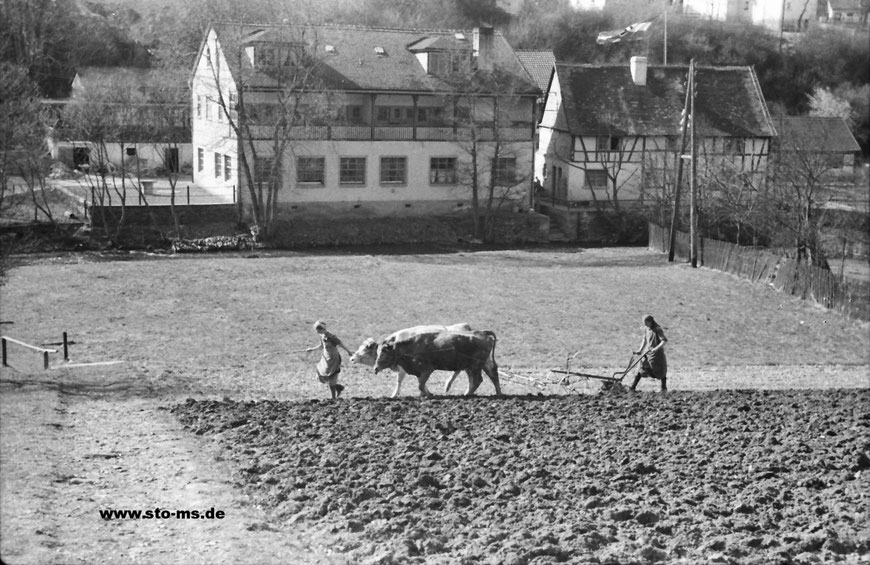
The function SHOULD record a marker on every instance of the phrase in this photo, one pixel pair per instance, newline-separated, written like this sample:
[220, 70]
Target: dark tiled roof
[600, 100]
[816, 134]
[132, 76]
[539, 65]
[156, 84]
[354, 65]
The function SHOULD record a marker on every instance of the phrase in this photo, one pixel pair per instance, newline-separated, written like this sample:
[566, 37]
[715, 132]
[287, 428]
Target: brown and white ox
[446, 350]
[368, 351]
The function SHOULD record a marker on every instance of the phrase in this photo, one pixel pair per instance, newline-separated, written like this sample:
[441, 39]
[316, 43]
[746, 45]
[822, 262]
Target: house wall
[720, 10]
[768, 13]
[587, 5]
[417, 195]
[151, 155]
[774, 13]
[639, 156]
[213, 138]
[552, 139]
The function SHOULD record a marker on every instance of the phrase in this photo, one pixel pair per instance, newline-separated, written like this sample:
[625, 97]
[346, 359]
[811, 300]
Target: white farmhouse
[387, 130]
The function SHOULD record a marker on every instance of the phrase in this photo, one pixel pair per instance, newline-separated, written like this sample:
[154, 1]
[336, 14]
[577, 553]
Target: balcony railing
[392, 133]
[396, 133]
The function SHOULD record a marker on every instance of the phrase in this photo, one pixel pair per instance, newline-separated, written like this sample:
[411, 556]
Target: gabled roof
[147, 84]
[816, 134]
[366, 59]
[539, 65]
[603, 100]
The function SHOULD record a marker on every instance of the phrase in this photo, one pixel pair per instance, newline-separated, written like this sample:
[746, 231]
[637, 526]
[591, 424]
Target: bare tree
[796, 195]
[731, 205]
[23, 152]
[112, 121]
[296, 105]
[611, 162]
[783, 206]
[95, 121]
[167, 125]
[488, 117]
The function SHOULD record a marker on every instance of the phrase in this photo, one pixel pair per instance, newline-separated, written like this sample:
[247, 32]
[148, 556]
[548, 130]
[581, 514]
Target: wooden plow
[567, 378]
[616, 377]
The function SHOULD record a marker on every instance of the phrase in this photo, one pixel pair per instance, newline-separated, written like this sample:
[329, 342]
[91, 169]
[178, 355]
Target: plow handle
[632, 362]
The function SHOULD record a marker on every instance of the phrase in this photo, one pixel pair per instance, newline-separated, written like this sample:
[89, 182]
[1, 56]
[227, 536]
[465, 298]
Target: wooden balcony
[395, 133]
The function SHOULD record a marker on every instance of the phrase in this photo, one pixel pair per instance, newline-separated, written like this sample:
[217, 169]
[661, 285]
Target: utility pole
[665, 57]
[781, 25]
[693, 182]
[684, 124]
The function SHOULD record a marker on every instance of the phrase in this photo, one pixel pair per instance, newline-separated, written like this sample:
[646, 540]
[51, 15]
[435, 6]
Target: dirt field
[74, 441]
[729, 476]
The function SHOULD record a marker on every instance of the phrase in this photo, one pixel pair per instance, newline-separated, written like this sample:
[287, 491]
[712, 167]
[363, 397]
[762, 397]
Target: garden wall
[304, 231]
[513, 228]
[162, 215]
[785, 275]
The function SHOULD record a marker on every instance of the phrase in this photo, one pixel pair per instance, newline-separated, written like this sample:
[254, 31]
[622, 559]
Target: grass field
[235, 324]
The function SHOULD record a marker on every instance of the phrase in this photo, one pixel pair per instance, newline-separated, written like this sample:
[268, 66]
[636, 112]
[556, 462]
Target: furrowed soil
[726, 476]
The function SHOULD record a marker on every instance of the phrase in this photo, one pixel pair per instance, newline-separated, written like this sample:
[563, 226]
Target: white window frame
[442, 175]
[342, 170]
[263, 169]
[498, 171]
[308, 176]
[386, 167]
[595, 184]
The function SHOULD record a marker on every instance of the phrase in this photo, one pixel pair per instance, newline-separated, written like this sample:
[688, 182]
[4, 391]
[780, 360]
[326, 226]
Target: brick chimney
[638, 70]
[483, 46]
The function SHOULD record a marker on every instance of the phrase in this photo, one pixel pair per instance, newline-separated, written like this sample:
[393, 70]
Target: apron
[656, 362]
[330, 358]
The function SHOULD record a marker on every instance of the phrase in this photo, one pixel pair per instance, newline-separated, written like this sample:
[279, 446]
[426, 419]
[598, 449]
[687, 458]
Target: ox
[422, 354]
[368, 351]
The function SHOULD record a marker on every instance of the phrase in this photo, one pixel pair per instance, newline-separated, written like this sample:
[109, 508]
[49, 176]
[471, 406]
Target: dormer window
[442, 55]
[379, 51]
[330, 48]
[276, 55]
[266, 55]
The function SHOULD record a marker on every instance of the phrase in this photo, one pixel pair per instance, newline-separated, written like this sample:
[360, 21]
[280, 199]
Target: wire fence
[786, 275]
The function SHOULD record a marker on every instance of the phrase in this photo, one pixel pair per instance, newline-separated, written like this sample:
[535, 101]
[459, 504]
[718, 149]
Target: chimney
[483, 46]
[638, 70]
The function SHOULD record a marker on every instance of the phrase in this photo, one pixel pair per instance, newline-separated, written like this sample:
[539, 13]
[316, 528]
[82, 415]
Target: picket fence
[782, 273]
